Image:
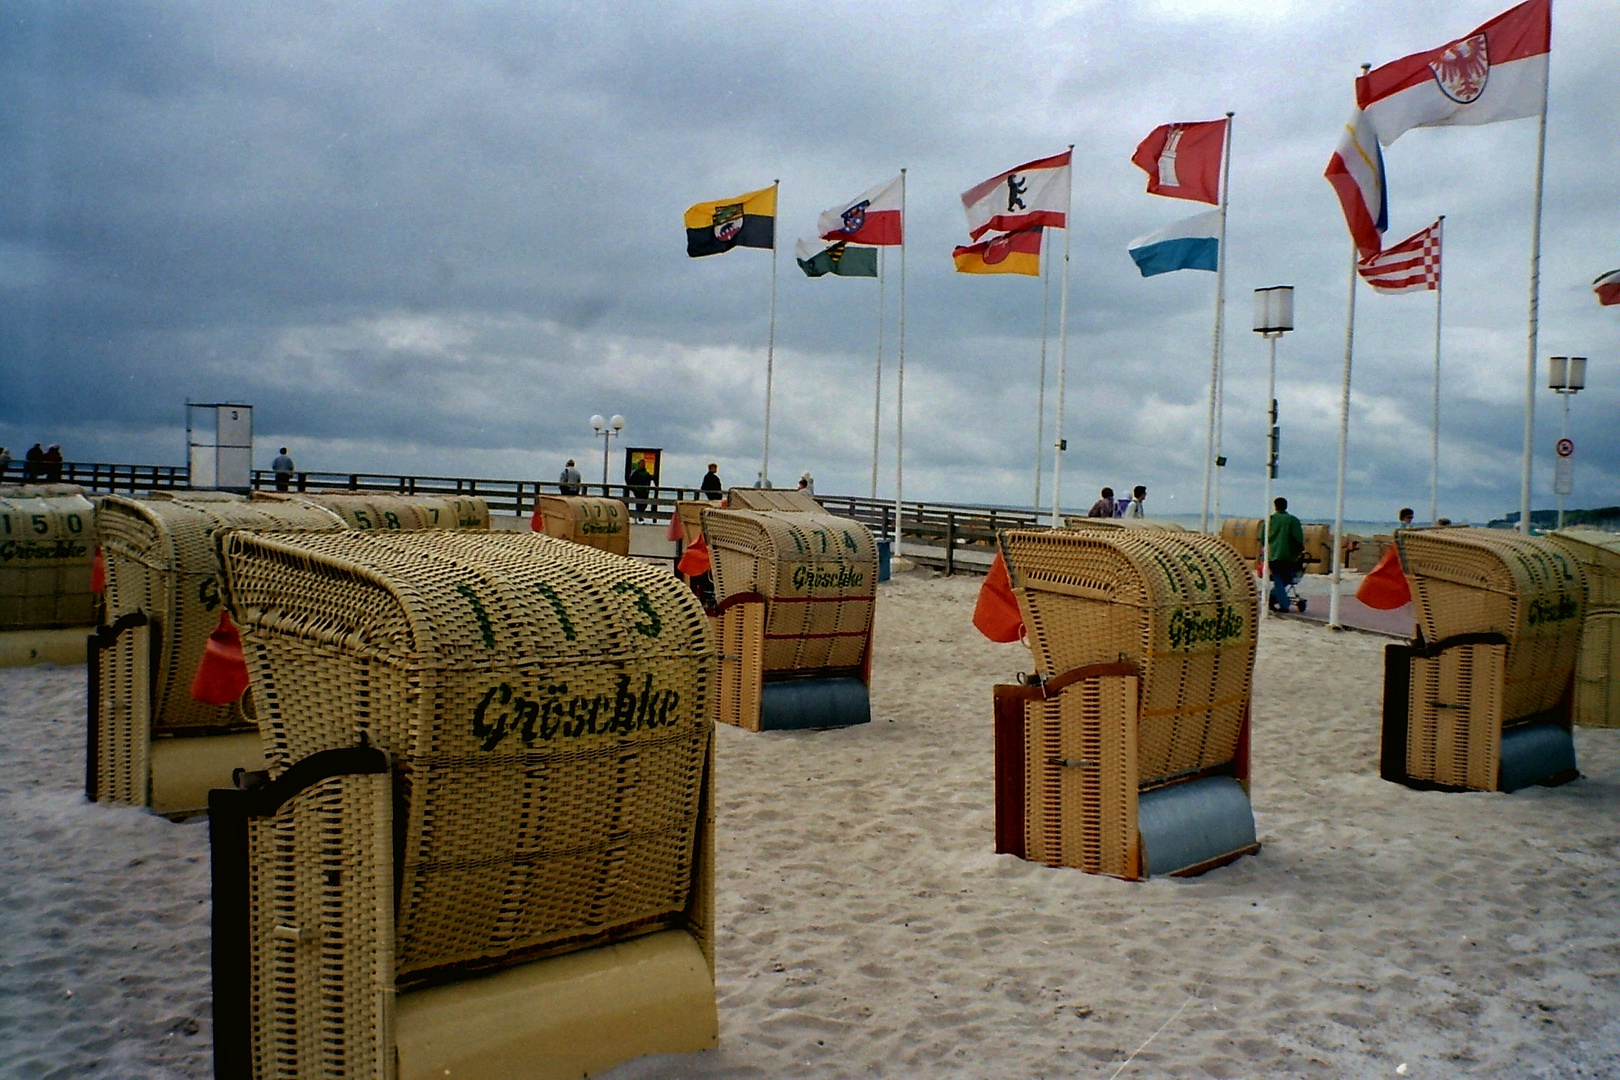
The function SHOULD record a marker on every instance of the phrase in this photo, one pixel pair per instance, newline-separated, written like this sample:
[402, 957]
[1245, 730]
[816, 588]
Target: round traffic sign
[1566, 447]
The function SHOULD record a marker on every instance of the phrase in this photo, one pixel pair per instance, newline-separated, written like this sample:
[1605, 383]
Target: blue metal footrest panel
[1534, 753]
[1186, 825]
[813, 703]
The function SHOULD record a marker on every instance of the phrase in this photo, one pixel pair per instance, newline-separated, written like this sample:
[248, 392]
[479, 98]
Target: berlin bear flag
[1035, 193]
[1497, 72]
[1183, 161]
[872, 217]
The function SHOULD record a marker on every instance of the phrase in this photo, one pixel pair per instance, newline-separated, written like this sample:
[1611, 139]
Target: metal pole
[1535, 319]
[1271, 427]
[1040, 395]
[1211, 444]
[877, 393]
[1563, 433]
[1063, 351]
[770, 355]
[1434, 428]
[900, 381]
[1344, 437]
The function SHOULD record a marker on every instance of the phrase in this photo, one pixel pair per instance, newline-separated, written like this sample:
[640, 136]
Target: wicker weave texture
[1597, 691]
[590, 520]
[320, 888]
[1077, 522]
[160, 560]
[47, 537]
[784, 501]
[1599, 555]
[547, 707]
[1455, 706]
[1080, 778]
[1244, 535]
[1181, 606]
[818, 574]
[1528, 589]
[365, 510]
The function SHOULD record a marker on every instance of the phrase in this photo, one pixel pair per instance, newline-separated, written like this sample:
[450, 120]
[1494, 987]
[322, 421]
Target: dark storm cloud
[449, 233]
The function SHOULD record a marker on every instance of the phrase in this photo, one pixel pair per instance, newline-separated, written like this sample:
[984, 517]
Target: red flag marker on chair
[1386, 588]
[996, 613]
[222, 675]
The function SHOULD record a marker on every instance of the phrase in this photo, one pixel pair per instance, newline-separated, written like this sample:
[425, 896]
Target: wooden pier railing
[946, 528]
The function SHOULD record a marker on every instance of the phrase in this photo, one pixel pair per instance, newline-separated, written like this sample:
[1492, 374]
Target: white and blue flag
[1190, 244]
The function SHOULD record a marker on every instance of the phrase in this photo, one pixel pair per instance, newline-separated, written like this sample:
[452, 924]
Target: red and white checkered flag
[1413, 265]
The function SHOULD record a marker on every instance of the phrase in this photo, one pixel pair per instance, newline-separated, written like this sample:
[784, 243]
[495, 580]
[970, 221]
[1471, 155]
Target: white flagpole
[1063, 351]
[900, 381]
[1212, 441]
[1535, 312]
[770, 351]
[1434, 429]
[1040, 395]
[1344, 437]
[877, 393]
[1220, 321]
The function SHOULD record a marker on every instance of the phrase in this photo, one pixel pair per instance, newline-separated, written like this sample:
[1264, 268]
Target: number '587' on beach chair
[483, 845]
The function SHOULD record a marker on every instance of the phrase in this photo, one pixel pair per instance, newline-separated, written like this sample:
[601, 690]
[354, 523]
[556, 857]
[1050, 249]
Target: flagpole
[1535, 311]
[1344, 438]
[877, 393]
[1040, 395]
[1220, 321]
[1063, 351]
[770, 353]
[1434, 429]
[900, 383]
[1212, 443]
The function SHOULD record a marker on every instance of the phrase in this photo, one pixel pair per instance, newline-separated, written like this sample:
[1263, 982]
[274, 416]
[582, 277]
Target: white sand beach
[866, 929]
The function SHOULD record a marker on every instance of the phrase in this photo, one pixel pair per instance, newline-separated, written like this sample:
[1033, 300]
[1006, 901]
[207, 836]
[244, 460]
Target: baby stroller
[1289, 576]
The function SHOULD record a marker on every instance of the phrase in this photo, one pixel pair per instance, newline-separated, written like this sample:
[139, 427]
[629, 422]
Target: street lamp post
[1273, 317]
[607, 429]
[1566, 377]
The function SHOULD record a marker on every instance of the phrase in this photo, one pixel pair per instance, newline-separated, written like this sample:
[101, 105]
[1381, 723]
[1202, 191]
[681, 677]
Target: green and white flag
[817, 257]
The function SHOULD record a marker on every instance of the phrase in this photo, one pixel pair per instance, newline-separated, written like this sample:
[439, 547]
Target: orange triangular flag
[996, 612]
[98, 572]
[696, 560]
[1386, 588]
[222, 675]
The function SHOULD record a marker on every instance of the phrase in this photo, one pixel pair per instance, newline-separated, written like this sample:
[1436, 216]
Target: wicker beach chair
[1480, 701]
[149, 742]
[483, 845]
[587, 519]
[1127, 752]
[794, 596]
[364, 510]
[785, 500]
[1597, 692]
[47, 541]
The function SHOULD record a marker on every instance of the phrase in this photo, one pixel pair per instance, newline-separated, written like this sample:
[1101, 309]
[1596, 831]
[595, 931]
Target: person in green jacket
[1285, 543]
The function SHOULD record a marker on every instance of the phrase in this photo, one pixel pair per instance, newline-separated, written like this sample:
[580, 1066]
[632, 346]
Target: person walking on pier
[283, 467]
[569, 481]
[711, 486]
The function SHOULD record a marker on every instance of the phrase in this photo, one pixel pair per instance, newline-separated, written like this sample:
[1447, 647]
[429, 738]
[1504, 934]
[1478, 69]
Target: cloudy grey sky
[438, 237]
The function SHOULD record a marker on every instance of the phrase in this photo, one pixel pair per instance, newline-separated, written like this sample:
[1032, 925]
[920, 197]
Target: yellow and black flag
[748, 220]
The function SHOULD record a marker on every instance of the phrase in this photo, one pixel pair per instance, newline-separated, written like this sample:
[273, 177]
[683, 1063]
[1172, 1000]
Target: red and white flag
[870, 218]
[1183, 161]
[1035, 193]
[1497, 72]
[1607, 288]
[1413, 265]
[1356, 171]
